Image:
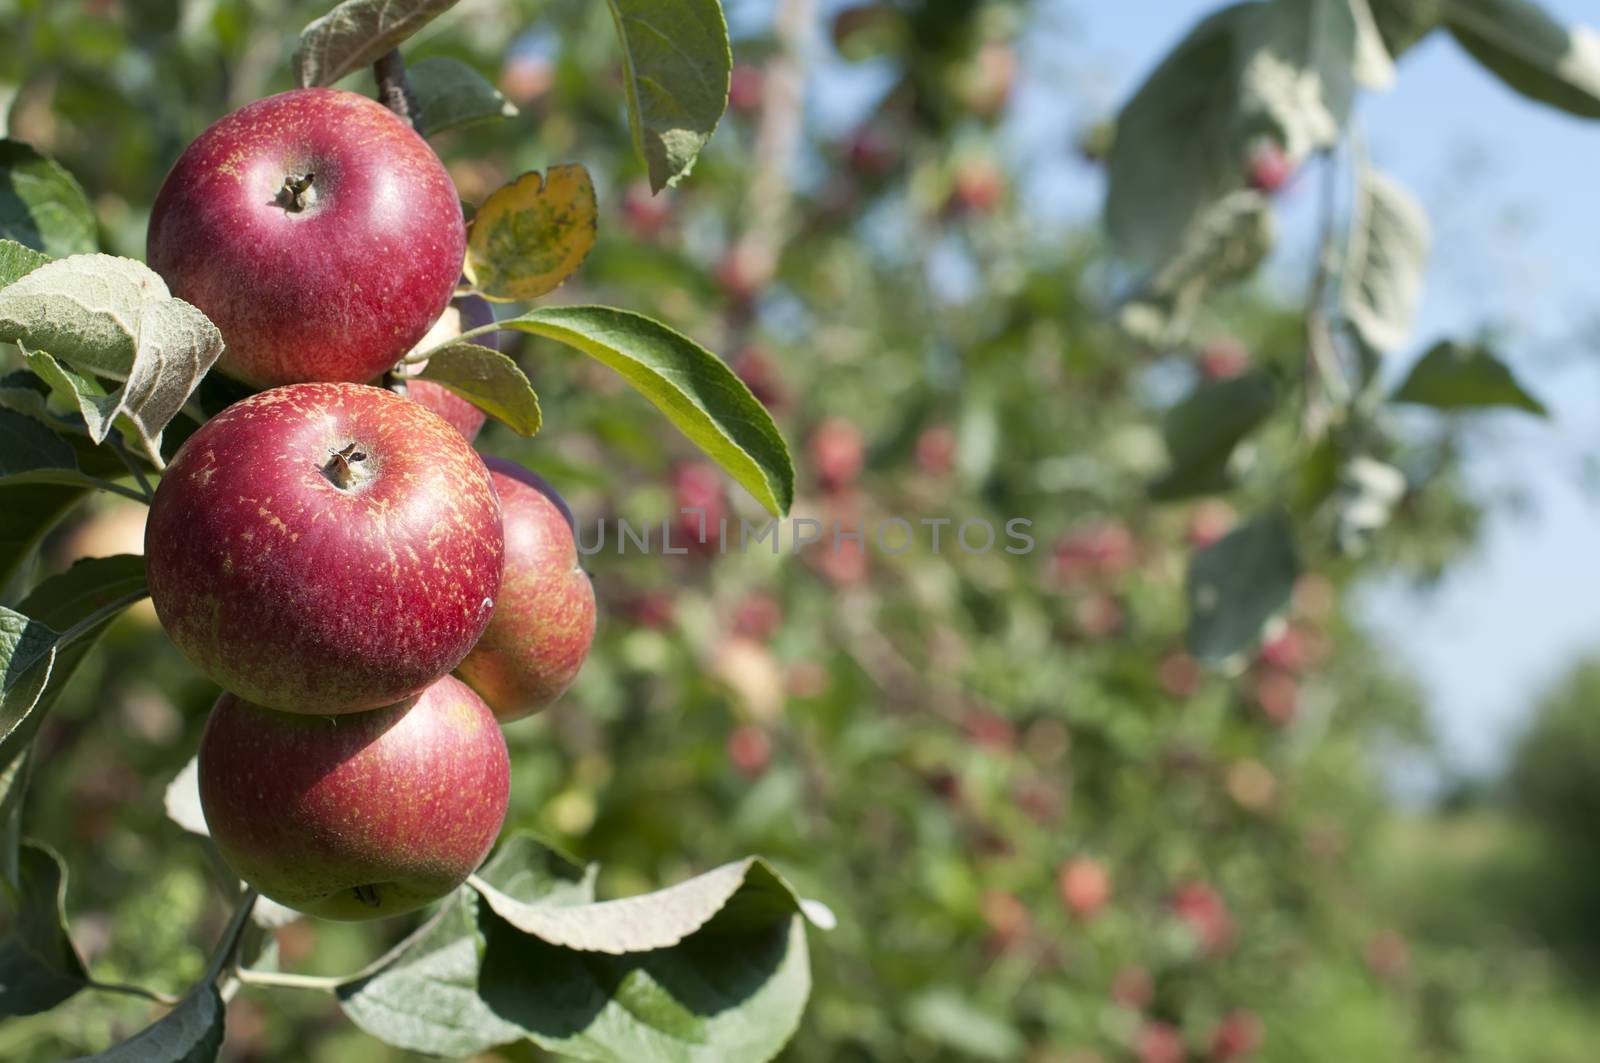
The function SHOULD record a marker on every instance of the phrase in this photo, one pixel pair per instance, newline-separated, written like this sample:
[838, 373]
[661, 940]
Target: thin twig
[117, 489]
[286, 980]
[1323, 377]
[228, 944]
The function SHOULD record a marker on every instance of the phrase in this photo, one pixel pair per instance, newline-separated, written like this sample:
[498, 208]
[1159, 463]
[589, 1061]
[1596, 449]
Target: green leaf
[528, 869]
[1457, 376]
[83, 600]
[677, 61]
[1535, 55]
[39, 967]
[1385, 260]
[1239, 583]
[1402, 23]
[41, 205]
[17, 261]
[949, 1018]
[424, 996]
[689, 384]
[1203, 430]
[111, 317]
[734, 896]
[192, 1032]
[30, 452]
[490, 381]
[1280, 68]
[531, 234]
[451, 94]
[715, 996]
[27, 512]
[356, 33]
[1225, 244]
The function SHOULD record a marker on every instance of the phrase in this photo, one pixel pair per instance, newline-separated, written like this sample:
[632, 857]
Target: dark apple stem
[394, 90]
[292, 196]
[338, 469]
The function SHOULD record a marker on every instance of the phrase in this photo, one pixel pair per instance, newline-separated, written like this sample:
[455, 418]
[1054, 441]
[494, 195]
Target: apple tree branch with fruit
[293, 383]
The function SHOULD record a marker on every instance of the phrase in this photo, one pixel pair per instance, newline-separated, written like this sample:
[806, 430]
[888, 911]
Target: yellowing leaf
[531, 234]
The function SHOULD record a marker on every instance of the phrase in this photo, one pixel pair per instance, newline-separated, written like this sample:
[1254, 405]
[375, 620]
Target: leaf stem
[285, 980]
[164, 999]
[126, 492]
[100, 616]
[470, 334]
[133, 466]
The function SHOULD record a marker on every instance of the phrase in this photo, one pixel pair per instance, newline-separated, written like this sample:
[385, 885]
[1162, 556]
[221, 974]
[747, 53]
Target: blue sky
[1510, 187]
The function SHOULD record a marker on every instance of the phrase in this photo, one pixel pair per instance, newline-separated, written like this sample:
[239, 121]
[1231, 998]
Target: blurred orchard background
[1047, 832]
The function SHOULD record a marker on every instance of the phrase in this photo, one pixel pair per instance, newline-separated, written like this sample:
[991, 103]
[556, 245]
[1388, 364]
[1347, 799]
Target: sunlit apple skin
[336, 287]
[359, 817]
[544, 621]
[462, 315]
[305, 596]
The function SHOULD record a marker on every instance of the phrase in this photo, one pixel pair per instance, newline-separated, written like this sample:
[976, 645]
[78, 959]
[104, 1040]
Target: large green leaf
[1239, 583]
[1384, 264]
[192, 1032]
[80, 603]
[451, 94]
[678, 62]
[27, 512]
[41, 205]
[1279, 68]
[693, 387]
[17, 261]
[713, 968]
[1460, 376]
[356, 33]
[490, 381]
[1524, 46]
[1225, 244]
[1203, 430]
[39, 967]
[714, 997]
[31, 453]
[111, 317]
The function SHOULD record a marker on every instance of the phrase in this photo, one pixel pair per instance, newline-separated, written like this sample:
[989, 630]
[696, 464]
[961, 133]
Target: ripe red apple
[977, 187]
[317, 230]
[1205, 913]
[745, 89]
[759, 371]
[1159, 1042]
[1277, 695]
[1238, 1037]
[367, 815]
[838, 451]
[1104, 549]
[1224, 359]
[462, 315]
[936, 450]
[325, 548]
[644, 212]
[749, 750]
[544, 621]
[1269, 168]
[1084, 885]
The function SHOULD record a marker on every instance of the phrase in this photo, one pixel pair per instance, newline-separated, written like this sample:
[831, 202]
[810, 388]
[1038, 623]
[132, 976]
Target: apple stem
[292, 196]
[394, 89]
[340, 469]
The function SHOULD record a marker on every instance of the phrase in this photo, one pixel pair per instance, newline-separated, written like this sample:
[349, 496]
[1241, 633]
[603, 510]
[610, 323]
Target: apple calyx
[346, 469]
[367, 895]
[296, 194]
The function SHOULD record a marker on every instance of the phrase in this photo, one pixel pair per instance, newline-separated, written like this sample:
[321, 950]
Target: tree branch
[394, 89]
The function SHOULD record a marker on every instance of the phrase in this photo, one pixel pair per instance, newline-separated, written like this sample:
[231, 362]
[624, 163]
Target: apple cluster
[373, 595]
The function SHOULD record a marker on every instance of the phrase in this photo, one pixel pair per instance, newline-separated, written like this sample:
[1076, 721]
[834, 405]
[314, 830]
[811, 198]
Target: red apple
[317, 230]
[1159, 1042]
[1269, 168]
[1133, 988]
[1203, 911]
[977, 187]
[838, 452]
[1239, 1036]
[544, 621]
[1179, 675]
[936, 450]
[325, 548]
[367, 815]
[462, 315]
[759, 371]
[1102, 549]
[749, 750]
[1224, 359]
[1084, 885]
[745, 89]
[645, 213]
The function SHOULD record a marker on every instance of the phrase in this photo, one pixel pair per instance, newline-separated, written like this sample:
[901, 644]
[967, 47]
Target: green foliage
[489, 380]
[451, 94]
[1453, 376]
[41, 205]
